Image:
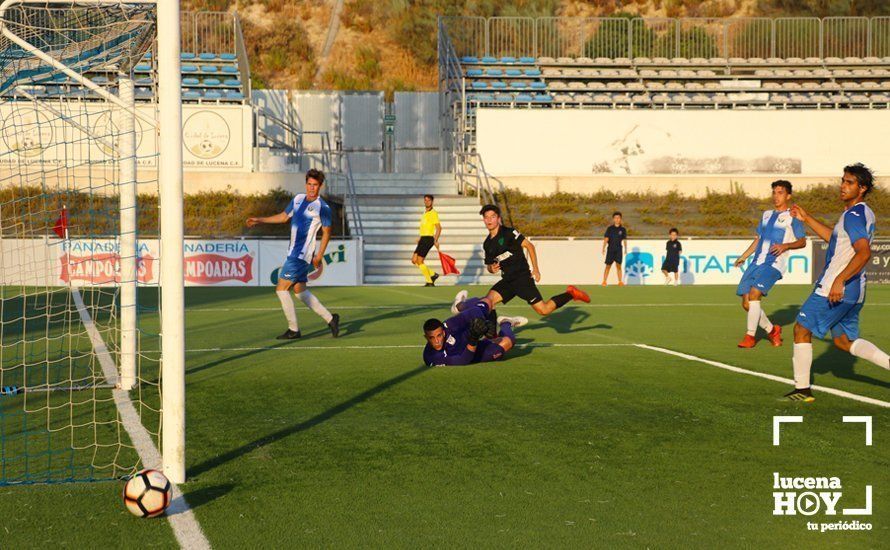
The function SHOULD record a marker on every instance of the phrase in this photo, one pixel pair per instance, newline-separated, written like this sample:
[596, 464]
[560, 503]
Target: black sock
[561, 299]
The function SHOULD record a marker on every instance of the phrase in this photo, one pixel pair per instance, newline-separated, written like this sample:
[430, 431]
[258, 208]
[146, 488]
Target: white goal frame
[169, 134]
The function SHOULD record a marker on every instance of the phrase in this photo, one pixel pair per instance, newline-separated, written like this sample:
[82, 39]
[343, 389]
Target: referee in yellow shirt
[430, 229]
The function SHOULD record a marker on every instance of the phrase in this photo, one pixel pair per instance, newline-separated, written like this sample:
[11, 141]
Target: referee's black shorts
[613, 256]
[423, 246]
[524, 287]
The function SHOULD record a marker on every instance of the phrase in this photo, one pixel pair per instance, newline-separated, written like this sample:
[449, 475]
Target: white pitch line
[185, 526]
[517, 306]
[405, 346]
[774, 378]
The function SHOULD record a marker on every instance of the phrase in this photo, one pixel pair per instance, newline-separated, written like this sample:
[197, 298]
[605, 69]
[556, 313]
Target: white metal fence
[614, 37]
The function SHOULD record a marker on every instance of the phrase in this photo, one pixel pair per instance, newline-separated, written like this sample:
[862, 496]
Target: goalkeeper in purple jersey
[471, 336]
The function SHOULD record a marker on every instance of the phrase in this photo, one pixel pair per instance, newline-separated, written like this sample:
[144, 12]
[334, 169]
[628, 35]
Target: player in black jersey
[505, 250]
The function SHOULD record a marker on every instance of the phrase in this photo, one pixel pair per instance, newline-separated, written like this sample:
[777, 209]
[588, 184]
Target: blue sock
[507, 331]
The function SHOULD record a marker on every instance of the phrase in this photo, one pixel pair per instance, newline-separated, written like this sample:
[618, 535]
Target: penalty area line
[405, 346]
[774, 378]
[183, 521]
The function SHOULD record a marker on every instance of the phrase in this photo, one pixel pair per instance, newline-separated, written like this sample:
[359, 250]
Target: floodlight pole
[126, 154]
[172, 291]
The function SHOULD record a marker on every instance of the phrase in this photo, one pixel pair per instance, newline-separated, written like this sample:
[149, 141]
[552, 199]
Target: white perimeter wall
[681, 142]
[252, 262]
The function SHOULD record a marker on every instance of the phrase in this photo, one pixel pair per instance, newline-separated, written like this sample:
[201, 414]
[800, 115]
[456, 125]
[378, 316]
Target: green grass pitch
[573, 441]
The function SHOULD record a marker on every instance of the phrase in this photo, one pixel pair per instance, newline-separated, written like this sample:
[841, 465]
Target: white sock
[312, 303]
[802, 362]
[754, 312]
[870, 352]
[765, 323]
[288, 306]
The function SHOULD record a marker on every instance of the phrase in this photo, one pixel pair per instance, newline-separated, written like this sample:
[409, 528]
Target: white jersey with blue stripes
[306, 217]
[776, 227]
[857, 222]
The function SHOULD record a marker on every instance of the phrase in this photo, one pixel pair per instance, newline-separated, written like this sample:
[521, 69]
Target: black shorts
[671, 266]
[524, 287]
[423, 246]
[613, 256]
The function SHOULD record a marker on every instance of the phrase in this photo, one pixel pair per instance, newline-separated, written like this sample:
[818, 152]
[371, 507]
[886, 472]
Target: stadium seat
[833, 61]
[526, 60]
[661, 98]
[593, 85]
[538, 85]
[232, 82]
[713, 86]
[489, 59]
[558, 85]
[211, 82]
[532, 72]
[801, 73]
[698, 61]
[234, 95]
[861, 72]
[513, 72]
[642, 99]
[638, 86]
[188, 69]
[674, 85]
[474, 72]
[147, 81]
[489, 72]
[565, 60]
[842, 73]
[469, 59]
[718, 61]
[851, 85]
[880, 72]
[186, 56]
[661, 61]
[609, 72]
[668, 73]
[518, 85]
[794, 61]
[190, 81]
[588, 73]
[706, 73]
[694, 86]
[577, 72]
[228, 57]
[602, 98]
[771, 85]
[542, 98]
[701, 98]
[549, 71]
[813, 60]
[212, 94]
[737, 61]
[508, 59]
[770, 60]
[614, 85]
[822, 73]
[648, 73]
[820, 98]
[191, 94]
[622, 98]
[229, 69]
[207, 56]
[604, 61]
[499, 85]
[859, 98]
[870, 85]
[642, 61]
[142, 68]
[680, 98]
[477, 85]
[880, 98]
[853, 60]
[680, 61]
[686, 73]
[482, 97]
[523, 98]
[790, 85]
[545, 60]
[623, 61]
[209, 69]
[655, 85]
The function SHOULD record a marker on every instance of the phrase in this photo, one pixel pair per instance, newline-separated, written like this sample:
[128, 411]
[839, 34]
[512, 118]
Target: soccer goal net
[81, 240]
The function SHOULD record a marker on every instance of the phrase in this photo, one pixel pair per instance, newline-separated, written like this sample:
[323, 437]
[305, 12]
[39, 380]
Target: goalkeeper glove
[478, 328]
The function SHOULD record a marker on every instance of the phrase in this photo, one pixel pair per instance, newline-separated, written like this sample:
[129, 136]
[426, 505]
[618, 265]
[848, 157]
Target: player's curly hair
[863, 174]
[784, 184]
[315, 174]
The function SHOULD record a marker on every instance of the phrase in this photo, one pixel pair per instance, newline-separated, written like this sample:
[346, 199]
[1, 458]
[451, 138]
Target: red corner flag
[448, 267]
[61, 227]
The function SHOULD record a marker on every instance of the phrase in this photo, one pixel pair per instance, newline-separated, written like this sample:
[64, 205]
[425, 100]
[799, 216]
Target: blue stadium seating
[211, 82]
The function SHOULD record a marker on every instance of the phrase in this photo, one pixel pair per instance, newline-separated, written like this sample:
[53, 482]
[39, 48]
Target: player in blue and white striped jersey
[777, 233]
[307, 213]
[840, 290]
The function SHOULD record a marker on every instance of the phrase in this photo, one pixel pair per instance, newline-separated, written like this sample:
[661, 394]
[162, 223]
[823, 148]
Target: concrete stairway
[391, 221]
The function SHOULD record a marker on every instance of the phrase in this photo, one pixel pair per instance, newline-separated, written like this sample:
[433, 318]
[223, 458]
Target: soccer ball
[147, 494]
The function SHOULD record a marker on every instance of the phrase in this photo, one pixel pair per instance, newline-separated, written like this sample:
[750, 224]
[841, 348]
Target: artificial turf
[577, 439]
